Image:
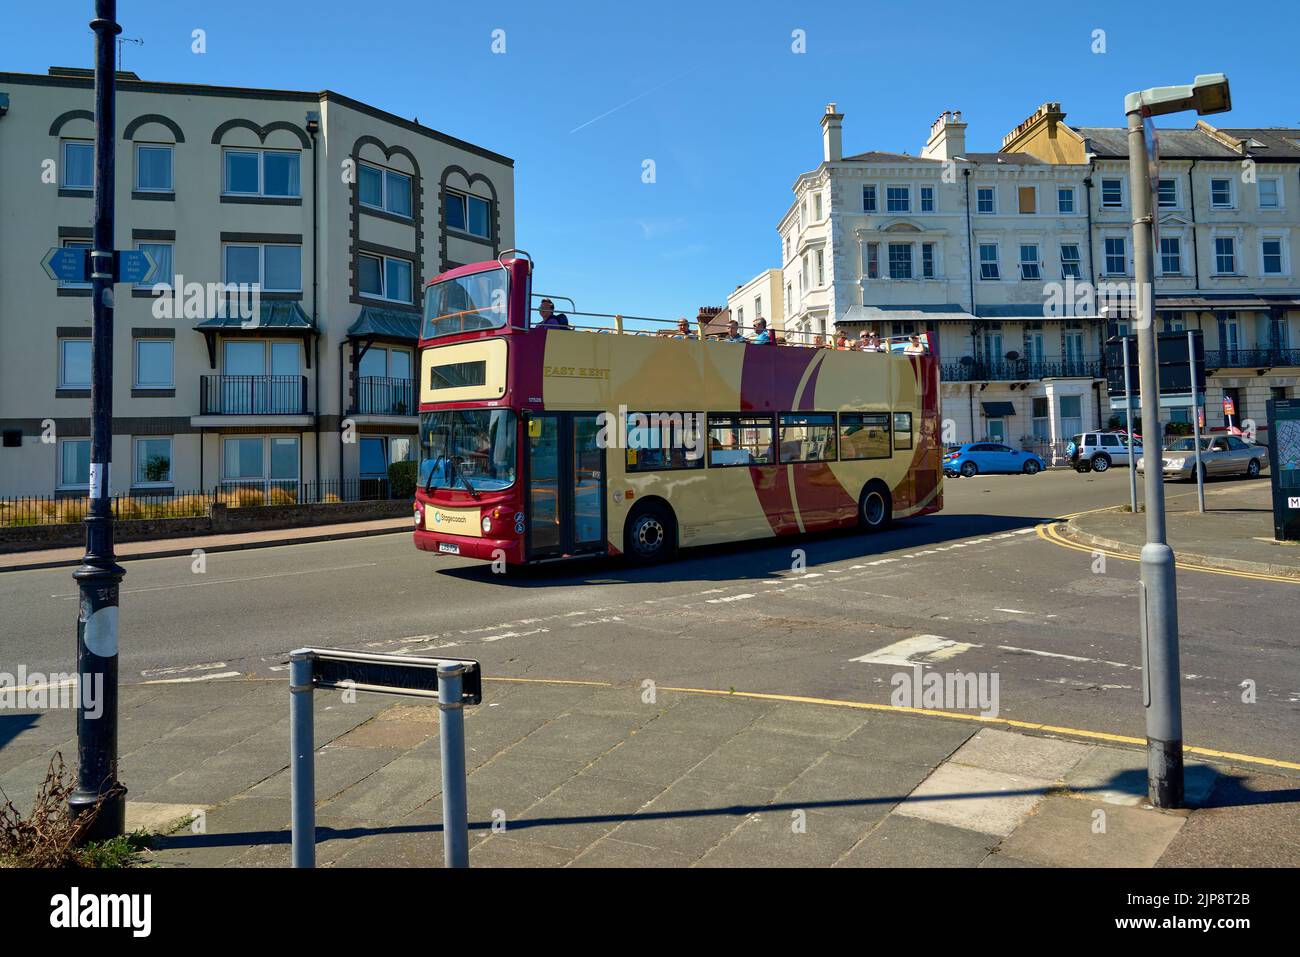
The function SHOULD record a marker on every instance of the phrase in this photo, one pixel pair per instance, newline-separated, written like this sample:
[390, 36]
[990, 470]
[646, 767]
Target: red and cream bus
[540, 442]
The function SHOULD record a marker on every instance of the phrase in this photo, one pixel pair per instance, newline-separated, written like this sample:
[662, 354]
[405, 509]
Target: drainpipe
[970, 273]
[970, 391]
[342, 413]
[315, 286]
[1191, 207]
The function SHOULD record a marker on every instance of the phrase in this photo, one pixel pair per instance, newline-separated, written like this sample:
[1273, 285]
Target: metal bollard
[302, 760]
[451, 733]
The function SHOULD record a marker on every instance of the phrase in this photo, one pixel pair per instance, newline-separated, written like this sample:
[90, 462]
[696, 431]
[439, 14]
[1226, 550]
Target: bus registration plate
[449, 547]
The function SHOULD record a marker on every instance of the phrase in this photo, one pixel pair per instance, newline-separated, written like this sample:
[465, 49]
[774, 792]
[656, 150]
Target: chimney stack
[947, 137]
[832, 149]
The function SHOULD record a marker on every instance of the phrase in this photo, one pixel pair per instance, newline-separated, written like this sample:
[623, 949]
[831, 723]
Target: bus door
[566, 484]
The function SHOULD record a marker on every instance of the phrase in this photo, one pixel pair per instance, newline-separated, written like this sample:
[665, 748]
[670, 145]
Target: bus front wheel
[650, 535]
[875, 510]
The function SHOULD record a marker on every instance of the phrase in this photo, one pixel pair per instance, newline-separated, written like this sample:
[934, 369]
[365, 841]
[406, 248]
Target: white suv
[1098, 451]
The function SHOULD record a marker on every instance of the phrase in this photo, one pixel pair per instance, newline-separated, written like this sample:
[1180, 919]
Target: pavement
[173, 547]
[1234, 534]
[601, 775]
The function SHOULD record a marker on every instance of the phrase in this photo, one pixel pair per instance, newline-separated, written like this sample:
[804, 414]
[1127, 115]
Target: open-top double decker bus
[540, 443]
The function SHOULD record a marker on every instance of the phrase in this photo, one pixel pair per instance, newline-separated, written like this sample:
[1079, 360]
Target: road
[972, 589]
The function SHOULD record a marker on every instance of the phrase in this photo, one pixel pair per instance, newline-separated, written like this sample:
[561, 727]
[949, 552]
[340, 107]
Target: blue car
[974, 458]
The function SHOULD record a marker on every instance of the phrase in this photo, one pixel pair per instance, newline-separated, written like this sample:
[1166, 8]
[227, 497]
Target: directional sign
[413, 675]
[1229, 407]
[135, 266]
[67, 264]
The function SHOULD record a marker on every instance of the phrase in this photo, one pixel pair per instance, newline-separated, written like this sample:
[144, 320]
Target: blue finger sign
[66, 264]
[135, 266]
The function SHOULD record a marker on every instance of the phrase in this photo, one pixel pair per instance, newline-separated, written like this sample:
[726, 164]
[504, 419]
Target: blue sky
[711, 92]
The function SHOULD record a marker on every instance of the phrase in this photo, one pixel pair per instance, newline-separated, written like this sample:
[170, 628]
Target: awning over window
[273, 316]
[374, 322]
[998, 410]
[943, 312]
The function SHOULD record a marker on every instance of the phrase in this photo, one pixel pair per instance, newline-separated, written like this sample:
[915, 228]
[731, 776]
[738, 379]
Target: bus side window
[902, 430]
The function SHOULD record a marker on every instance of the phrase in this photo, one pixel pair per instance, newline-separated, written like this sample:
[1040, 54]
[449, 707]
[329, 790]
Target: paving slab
[693, 815]
[852, 787]
[784, 838]
[828, 723]
[769, 759]
[901, 841]
[581, 811]
[1012, 753]
[1119, 776]
[1249, 820]
[991, 802]
[1067, 831]
[655, 756]
[609, 852]
[231, 829]
[907, 739]
[502, 851]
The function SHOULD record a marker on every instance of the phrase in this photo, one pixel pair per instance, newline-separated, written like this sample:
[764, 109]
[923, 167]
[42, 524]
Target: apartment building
[1228, 209]
[981, 249]
[338, 211]
[960, 244]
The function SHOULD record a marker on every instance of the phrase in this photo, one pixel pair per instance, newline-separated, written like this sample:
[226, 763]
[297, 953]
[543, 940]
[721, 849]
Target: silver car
[1225, 455]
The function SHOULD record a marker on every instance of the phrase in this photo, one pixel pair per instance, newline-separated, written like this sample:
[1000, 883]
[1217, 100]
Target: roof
[856, 314]
[877, 156]
[1276, 144]
[1007, 159]
[273, 315]
[385, 323]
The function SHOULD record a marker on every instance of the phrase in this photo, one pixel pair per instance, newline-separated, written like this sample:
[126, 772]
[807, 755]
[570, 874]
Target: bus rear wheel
[650, 535]
[875, 509]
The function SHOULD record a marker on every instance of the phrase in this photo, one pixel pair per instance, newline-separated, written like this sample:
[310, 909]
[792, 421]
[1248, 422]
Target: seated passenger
[842, 342]
[914, 347]
[683, 330]
[550, 318]
[762, 337]
[733, 332]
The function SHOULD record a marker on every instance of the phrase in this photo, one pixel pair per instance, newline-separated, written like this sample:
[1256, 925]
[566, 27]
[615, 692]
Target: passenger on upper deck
[842, 342]
[733, 332]
[874, 344]
[762, 337]
[550, 318]
[683, 330]
[914, 347]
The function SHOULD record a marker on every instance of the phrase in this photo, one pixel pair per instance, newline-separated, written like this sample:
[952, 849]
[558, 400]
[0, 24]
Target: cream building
[339, 211]
[760, 296]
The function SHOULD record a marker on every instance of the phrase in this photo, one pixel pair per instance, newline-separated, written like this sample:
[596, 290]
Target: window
[658, 441]
[1071, 414]
[1168, 193]
[927, 199]
[1112, 193]
[900, 260]
[1027, 197]
[817, 207]
[76, 284]
[927, 260]
[869, 198]
[78, 164]
[262, 173]
[902, 430]
[1270, 193]
[384, 277]
[74, 363]
[986, 199]
[153, 169]
[873, 260]
[1070, 261]
[468, 214]
[1225, 255]
[153, 461]
[1221, 193]
[1029, 261]
[898, 199]
[162, 256]
[808, 437]
[740, 440]
[1271, 257]
[277, 268]
[758, 306]
[260, 459]
[821, 267]
[989, 261]
[74, 463]
[1171, 255]
[153, 363]
[1116, 257]
[384, 189]
[1065, 199]
[864, 435]
[1041, 419]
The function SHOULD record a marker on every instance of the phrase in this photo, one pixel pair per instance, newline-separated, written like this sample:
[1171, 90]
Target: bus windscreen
[466, 304]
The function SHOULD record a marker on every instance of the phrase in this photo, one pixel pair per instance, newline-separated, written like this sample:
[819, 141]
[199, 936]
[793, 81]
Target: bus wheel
[650, 535]
[875, 511]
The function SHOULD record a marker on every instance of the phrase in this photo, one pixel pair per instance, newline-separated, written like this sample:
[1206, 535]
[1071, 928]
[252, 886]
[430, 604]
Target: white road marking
[1057, 654]
[181, 681]
[718, 601]
[1014, 611]
[917, 650]
[508, 634]
[154, 672]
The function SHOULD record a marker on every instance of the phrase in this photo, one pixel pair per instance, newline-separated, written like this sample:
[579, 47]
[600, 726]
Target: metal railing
[253, 395]
[1006, 370]
[1251, 358]
[376, 395]
[28, 510]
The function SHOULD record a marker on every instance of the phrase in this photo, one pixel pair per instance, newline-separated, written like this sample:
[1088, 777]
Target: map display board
[1284, 459]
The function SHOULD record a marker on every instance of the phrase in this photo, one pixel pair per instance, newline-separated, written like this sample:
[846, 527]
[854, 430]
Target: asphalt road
[972, 589]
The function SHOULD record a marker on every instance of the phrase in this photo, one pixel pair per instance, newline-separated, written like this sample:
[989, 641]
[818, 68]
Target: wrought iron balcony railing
[376, 395]
[253, 395]
[1008, 370]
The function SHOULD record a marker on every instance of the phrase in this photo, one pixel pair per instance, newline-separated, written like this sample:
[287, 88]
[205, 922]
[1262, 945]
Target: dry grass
[49, 837]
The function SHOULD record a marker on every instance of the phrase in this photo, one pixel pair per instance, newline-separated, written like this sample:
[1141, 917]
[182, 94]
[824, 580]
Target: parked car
[1098, 451]
[1224, 455]
[989, 457]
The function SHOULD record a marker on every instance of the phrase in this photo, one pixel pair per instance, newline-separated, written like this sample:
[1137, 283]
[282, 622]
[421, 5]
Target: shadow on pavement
[756, 558]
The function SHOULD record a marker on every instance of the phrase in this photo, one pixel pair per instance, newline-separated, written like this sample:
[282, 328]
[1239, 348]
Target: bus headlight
[487, 524]
[418, 514]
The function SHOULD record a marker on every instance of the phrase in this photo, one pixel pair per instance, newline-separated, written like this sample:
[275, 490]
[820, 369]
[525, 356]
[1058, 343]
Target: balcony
[263, 395]
[1016, 370]
[1251, 358]
[376, 395]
